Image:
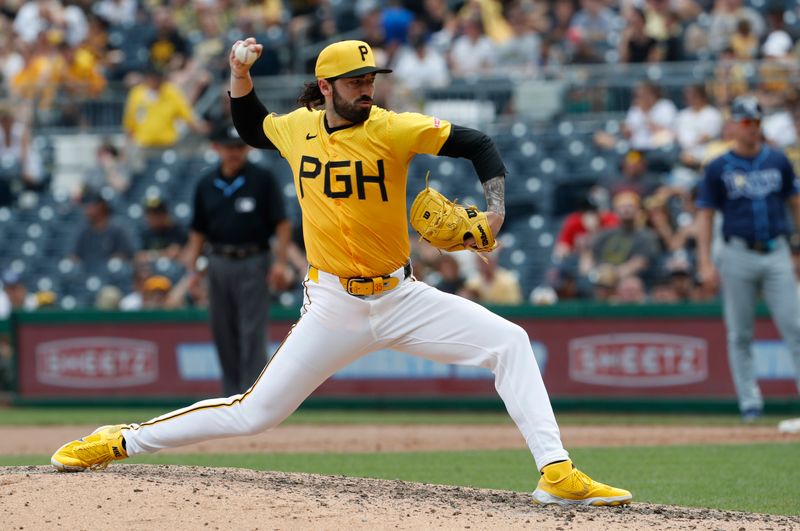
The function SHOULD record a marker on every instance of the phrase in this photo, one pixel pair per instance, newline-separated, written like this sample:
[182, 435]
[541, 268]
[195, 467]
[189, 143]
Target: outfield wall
[587, 353]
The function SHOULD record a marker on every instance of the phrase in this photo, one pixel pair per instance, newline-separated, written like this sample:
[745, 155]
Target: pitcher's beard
[351, 112]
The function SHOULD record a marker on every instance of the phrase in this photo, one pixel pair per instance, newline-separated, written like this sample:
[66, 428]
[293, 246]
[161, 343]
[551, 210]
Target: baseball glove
[445, 224]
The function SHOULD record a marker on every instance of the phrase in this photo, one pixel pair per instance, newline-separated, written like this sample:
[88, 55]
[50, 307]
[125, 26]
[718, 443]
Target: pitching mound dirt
[147, 497]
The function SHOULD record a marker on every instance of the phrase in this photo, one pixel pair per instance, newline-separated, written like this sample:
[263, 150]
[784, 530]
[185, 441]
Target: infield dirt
[178, 498]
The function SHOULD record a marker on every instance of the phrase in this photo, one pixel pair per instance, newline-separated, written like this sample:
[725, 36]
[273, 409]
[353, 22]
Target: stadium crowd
[74, 48]
[628, 236]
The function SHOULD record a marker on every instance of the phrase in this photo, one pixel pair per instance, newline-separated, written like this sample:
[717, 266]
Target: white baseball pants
[337, 328]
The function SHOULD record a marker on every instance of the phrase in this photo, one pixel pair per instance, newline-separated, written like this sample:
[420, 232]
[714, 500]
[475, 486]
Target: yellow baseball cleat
[563, 484]
[93, 452]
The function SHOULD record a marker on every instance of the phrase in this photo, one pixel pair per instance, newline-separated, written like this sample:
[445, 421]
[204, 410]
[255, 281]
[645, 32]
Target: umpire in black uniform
[238, 206]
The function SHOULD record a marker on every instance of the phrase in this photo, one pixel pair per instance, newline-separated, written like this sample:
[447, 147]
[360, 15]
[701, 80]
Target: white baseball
[245, 55]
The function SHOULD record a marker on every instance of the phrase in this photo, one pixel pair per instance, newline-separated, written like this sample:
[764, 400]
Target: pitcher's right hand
[237, 67]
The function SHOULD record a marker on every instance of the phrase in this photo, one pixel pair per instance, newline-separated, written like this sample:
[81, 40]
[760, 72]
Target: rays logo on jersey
[755, 184]
[311, 167]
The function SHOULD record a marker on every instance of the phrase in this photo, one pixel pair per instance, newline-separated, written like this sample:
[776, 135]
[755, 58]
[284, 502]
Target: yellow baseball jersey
[351, 184]
[152, 118]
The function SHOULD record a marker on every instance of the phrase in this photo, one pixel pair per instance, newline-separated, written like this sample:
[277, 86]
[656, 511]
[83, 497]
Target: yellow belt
[361, 286]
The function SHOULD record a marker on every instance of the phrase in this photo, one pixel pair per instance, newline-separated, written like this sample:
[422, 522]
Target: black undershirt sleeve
[248, 115]
[477, 147]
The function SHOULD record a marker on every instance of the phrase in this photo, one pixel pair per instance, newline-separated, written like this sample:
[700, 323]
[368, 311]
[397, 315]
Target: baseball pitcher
[350, 161]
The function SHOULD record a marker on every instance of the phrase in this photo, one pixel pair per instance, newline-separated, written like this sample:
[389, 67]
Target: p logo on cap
[347, 59]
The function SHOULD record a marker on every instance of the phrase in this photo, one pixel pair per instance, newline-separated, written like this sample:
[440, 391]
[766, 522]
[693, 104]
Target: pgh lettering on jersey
[351, 184]
[310, 168]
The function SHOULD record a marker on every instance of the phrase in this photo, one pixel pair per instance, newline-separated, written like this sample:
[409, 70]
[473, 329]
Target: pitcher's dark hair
[312, 96]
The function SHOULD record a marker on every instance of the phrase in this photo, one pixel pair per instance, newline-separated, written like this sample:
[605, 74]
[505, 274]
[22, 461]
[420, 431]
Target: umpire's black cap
[746, 108]
[225, 134]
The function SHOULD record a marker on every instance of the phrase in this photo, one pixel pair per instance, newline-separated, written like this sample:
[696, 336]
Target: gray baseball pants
[743, 273]
[238, 310]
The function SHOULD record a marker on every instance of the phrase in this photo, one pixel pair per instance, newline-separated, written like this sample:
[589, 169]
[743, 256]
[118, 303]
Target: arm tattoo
[495, 191]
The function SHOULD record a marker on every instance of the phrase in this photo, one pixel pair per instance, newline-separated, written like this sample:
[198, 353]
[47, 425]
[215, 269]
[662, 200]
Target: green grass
[41, 416]
[753, 477]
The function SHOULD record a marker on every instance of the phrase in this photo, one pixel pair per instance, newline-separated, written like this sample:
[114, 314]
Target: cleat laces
[579, 483]
[96, 454]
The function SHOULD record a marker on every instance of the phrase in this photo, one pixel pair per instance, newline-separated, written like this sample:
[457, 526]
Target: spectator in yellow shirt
[493, 284]
[39, 79]
[82, 75]
[153, 111]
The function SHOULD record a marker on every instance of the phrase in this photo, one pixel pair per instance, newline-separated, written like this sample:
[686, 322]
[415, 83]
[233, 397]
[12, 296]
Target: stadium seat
[68, 302]
[47, 283]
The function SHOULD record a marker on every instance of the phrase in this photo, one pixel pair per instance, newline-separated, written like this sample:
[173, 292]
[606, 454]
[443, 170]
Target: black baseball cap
[226, 134]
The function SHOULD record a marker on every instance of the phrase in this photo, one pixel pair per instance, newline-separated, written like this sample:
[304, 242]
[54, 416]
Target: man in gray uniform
[238, 206]
[751, 185]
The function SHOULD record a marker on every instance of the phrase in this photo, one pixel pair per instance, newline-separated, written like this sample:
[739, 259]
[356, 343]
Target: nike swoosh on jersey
[309, 136]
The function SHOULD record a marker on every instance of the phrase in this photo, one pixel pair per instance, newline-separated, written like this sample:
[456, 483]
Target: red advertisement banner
[636, 360]
[589, 356]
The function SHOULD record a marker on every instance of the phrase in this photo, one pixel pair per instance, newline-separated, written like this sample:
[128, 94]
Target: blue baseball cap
[746, 108]
[11, 278]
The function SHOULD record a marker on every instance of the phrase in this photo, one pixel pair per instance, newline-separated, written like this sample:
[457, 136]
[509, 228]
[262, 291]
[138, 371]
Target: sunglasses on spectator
[750, 121]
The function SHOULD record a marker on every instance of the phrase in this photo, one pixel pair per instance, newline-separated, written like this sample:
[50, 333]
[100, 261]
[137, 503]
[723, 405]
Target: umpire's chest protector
[351, 184]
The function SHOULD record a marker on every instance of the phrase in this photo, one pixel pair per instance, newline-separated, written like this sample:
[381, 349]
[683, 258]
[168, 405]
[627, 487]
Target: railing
[69, 113]
[549, 92]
